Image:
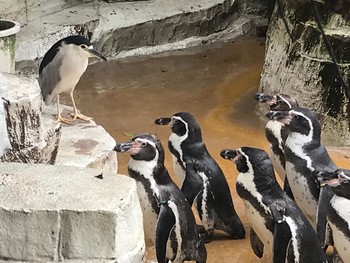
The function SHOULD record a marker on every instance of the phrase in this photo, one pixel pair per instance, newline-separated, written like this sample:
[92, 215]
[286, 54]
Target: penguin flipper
[324, 199]
[192, 185]
[256, 244]
[166, 221]
[281, 234]
[286, 188]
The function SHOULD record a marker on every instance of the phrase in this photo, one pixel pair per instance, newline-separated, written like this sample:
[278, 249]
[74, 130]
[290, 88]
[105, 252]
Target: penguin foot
[207, 236]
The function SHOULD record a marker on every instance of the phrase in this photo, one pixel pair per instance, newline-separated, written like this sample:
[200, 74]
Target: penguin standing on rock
[277, 224]
[202, 181]
[166, 212]
[338, 215]
[305, 156]
[276, 134]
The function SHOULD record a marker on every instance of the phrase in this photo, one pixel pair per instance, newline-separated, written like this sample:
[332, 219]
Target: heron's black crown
[49, 56]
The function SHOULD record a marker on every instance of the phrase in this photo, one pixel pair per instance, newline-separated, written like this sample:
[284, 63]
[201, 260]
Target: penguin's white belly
[277, 165]
[341, 241]
[275, 128]
[302, 195]
[179, 172]
[258, 224]
[149, 215]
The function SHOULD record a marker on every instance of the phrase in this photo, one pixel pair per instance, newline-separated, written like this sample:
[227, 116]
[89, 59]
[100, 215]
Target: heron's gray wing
[49, 77]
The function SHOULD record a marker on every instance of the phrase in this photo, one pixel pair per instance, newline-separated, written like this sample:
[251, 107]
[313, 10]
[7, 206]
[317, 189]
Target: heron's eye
[143, 144]
[296, 117]
[83, 46]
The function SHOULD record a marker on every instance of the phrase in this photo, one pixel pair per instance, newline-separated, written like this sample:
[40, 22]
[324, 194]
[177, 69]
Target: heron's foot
[80, 116]
[64, 120]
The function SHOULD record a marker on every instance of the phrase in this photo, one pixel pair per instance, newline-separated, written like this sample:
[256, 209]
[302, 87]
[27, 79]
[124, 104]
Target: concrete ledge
[52, 213]
[84, 144]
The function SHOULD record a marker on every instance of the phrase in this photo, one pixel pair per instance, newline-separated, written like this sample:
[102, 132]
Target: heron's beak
[94, 53]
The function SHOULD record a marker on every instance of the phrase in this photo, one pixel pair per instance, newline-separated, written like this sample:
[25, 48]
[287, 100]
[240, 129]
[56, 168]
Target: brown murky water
[215, 83]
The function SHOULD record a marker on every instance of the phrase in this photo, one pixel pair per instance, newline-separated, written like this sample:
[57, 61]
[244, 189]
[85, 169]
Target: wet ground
[215, 83]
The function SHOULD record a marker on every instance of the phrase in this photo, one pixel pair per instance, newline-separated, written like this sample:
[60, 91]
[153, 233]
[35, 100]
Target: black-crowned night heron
[61, 69]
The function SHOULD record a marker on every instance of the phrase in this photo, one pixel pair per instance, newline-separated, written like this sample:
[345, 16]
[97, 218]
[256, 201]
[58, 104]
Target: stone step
[57, 213]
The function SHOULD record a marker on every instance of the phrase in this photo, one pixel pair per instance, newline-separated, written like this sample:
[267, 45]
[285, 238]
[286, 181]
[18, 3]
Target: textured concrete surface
[84, 144]
[51, 213]
[28, 136]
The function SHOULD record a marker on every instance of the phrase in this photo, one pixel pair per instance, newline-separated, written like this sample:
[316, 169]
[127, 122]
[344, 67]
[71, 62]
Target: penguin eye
[176, 121]
[280, 101]
[143, 144]
[296, 117]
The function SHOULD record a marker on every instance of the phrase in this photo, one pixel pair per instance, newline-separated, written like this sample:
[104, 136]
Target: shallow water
[215, 83]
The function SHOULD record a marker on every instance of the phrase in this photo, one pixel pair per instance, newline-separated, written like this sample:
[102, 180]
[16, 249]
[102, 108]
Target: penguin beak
[229, 154]
[123, 147]
[281, 116]
[261, 97]
[163, 121]
[333, 179]
[94, 53]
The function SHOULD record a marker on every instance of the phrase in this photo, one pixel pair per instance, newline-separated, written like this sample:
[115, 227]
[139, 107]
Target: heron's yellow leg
[59, 117]
[77, 115]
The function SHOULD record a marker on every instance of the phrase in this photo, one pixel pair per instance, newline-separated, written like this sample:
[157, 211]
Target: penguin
[338, 215]
[305, 156]
[166, 212]
[201, 179]
[278, 226]
[276, 134]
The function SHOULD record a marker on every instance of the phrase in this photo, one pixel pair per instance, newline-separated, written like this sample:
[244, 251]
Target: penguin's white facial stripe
[247, 181]
[293, 229]
[145, 169]
[285, 101]
[296, 141]
[177, 229]
[343, 177]
[272, 101]
[177, 140]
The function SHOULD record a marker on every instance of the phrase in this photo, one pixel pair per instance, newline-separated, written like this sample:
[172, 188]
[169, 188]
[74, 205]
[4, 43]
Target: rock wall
[298, 63]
